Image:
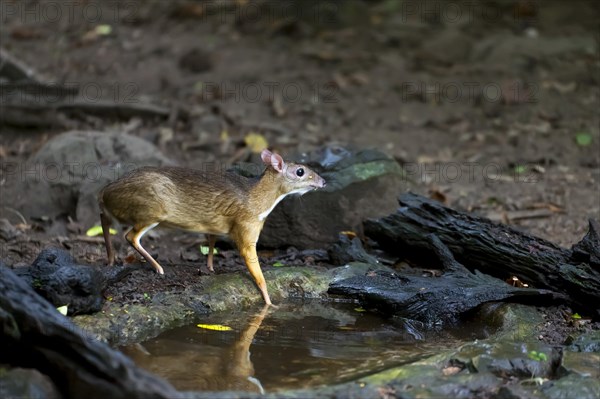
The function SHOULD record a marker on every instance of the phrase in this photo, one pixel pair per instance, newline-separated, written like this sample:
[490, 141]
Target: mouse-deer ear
[265, 155]
[274, 160]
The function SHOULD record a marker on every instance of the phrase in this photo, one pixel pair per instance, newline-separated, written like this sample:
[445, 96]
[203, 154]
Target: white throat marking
[266, 213]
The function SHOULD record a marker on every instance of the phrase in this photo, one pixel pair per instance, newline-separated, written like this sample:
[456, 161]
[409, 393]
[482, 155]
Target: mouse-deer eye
[300, 172]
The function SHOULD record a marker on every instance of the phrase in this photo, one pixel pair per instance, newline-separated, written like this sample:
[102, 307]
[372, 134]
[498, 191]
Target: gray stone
[65, 175]
[572, 386]
[360, 185]
[7, 230]
[587, 342]
[348, 250]
[508, 360]
[26, 383]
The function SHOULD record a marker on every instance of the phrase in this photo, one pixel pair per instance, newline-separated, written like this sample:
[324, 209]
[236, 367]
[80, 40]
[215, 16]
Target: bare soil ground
[481, 102]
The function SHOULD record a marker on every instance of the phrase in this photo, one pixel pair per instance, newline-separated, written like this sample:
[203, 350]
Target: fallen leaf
[450, 370]
[204, 250]
[63, 310]
[583, 139]
[519, 169]
[25, 33]
[349, 234]
[97, 230]
[359, 78]
[94, 34]
[359, 309]
[224, 135]
[189, 10]
[131, 258]
[438, 196]
[215, 327]
[516, 282]
[277, 105]
[278, 264]
[103, 30]
[256, 142]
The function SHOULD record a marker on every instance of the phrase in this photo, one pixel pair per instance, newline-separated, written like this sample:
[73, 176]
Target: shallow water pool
[295, 346]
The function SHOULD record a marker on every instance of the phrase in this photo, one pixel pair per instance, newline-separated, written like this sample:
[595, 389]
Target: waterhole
[294, 346]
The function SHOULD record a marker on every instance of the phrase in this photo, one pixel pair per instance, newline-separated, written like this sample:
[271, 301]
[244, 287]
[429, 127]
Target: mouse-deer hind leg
[211, 248]
[133, 237]
[106, 222]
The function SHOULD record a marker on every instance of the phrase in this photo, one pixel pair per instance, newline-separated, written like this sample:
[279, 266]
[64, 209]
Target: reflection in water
[294, 346]
[194, 368]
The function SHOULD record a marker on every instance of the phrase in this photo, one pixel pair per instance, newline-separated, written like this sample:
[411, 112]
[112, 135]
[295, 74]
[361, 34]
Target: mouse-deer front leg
[246, 241]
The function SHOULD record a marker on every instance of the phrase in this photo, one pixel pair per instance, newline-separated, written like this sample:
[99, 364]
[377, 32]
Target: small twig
[92, 240]
[15, 69]
[19, 214]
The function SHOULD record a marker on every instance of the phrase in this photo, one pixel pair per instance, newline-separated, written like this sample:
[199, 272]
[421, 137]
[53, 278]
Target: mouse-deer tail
[106, 222]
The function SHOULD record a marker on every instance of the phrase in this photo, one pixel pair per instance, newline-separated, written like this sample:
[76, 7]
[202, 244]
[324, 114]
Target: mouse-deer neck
[267, 193]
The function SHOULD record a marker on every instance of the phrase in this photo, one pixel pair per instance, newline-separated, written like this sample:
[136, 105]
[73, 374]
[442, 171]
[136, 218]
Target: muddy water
[294, 346]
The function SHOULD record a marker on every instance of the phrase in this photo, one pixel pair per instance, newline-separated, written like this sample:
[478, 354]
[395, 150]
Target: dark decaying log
[28, 100]
[35, 335]
[494, 249]
[435, 301]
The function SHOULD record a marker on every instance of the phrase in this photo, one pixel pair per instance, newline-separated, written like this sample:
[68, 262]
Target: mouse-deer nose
[320, 182]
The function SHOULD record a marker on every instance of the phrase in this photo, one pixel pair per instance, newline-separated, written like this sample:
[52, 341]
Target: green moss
[363, 171]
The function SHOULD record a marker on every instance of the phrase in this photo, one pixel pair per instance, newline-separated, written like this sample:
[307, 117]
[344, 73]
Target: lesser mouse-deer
[215, 203]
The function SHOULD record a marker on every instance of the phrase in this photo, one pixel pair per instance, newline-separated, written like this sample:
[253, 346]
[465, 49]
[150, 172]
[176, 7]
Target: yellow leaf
[214, 327]
[63, 310]
[224, 135]
[360, 309]
[97, 230]
[349, 234]
[256, 142]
